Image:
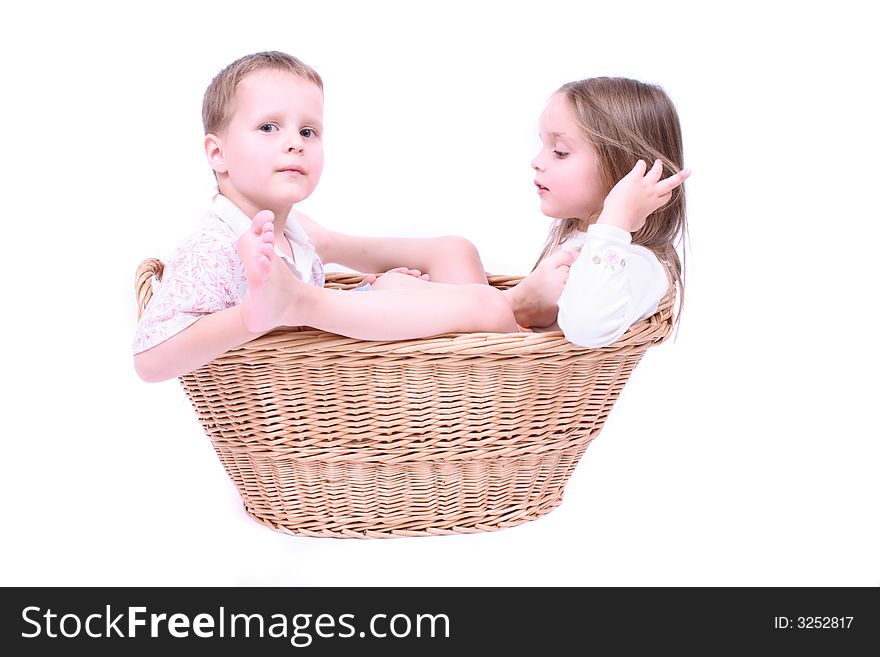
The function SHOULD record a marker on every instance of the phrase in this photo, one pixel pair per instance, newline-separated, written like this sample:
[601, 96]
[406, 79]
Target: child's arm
[446, 259]
[637, 195]
[200, 343]
[611, 286]
[614, 283]
[534, 299]
[193, 315]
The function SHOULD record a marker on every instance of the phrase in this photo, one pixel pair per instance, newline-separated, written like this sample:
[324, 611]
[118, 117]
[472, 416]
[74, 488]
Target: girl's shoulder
[610, 249]
[603, 234]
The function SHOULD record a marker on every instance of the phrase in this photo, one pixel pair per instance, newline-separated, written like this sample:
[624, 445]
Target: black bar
[337, 621]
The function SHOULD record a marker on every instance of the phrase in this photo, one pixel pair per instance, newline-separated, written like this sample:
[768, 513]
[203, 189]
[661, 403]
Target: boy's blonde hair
[220, 94]
[627, 120]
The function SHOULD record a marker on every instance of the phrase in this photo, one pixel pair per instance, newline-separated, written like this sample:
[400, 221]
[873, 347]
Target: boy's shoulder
[209, 234]
[210, 240]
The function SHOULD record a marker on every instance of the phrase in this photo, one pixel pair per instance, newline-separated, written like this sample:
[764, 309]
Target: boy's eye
[308, 133]
[268, 127]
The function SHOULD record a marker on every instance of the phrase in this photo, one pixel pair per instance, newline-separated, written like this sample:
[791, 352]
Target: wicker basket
[329, 436]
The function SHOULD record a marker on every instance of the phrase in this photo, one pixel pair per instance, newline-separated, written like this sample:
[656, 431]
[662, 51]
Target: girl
[595, 132]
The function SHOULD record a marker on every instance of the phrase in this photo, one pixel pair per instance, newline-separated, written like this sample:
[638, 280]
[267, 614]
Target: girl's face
[567, 166]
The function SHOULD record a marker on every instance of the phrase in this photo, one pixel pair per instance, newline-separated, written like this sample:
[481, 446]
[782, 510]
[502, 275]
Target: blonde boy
[256, 263]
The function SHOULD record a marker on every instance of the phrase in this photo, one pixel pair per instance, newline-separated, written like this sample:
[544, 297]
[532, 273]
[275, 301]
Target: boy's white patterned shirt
[205, 275]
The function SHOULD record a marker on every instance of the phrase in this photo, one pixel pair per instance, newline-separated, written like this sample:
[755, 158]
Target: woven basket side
[329, 436]
[355, 500]
[395, 409]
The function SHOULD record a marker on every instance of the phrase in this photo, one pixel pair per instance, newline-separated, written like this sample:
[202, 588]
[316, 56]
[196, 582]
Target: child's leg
[273, 291]
[455, 260]
[404, 313]
[275, 297]
[445, 259]
[395, 281]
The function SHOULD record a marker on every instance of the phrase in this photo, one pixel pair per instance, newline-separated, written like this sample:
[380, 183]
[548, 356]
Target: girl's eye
[268, 128]
[559, 154]
[308, 133]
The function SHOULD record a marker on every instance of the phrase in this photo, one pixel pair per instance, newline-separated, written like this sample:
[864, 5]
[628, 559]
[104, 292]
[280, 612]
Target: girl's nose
[536, 163]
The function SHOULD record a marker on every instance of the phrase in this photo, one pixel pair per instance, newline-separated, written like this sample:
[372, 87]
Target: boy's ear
[214, 153]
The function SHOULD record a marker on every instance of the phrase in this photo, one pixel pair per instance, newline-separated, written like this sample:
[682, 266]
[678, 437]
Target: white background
[745, 453]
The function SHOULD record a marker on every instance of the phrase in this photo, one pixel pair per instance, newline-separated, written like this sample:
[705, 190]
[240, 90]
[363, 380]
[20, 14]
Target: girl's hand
[638, 194]
[534, 298]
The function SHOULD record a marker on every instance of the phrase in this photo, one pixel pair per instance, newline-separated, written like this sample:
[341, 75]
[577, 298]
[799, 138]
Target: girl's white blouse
[612, 285]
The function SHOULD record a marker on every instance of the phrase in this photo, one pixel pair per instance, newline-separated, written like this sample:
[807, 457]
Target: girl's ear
[214, 153]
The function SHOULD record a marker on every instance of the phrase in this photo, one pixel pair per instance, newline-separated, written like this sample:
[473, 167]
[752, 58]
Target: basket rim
[294, 340]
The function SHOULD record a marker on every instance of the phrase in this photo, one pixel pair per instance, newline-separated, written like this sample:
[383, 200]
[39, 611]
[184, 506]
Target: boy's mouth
[294, 169]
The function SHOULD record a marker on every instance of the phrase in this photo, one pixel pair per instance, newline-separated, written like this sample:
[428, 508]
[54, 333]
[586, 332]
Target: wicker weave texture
[328, 436]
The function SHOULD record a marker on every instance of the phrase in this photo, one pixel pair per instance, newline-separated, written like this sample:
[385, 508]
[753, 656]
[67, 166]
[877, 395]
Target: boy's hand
[638, 194]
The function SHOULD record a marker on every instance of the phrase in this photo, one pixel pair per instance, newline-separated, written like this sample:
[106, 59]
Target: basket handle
[665, 315]
[143, 281]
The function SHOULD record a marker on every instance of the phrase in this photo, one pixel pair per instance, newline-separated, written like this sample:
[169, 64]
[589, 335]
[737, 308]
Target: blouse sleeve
[612, 285]
[203, 276]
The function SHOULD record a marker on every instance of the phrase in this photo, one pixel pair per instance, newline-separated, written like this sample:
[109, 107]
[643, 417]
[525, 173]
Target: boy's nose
[295, 144]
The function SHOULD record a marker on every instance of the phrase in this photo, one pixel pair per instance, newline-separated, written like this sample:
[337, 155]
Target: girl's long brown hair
[627, 120]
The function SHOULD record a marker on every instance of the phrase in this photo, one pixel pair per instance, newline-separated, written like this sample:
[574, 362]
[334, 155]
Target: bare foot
[272, 293]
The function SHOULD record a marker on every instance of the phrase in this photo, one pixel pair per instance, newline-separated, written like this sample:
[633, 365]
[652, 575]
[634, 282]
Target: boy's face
[271, 154]
[567, 168]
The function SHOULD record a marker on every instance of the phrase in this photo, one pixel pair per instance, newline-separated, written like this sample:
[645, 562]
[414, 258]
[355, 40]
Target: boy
[256, 263]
